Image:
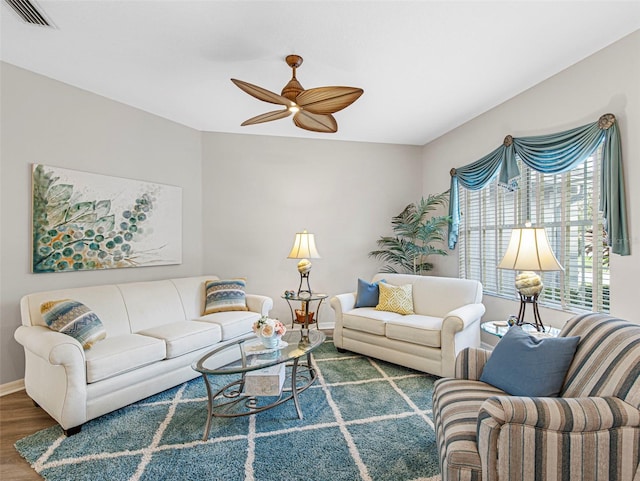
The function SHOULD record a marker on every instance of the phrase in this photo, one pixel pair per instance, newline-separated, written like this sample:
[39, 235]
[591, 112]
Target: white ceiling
[425, 66]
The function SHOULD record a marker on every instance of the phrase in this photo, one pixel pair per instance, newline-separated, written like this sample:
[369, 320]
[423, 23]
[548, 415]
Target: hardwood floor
[19, 417]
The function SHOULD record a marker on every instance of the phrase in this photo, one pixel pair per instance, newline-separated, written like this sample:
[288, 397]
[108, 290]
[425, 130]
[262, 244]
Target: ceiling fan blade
[262, 94]
[268, 117]
[315, 122]
[328, 100]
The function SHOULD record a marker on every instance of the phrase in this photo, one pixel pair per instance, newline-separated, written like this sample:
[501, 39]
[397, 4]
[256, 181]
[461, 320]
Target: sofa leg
[340, 350]
[35, 403]
[72, 431]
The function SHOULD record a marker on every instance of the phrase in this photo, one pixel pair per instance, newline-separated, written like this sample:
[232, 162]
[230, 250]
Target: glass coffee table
[248, 360]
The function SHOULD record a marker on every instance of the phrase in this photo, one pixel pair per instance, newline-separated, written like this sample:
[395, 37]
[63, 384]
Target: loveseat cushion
[118, 354]
[368, 319]
[456, 406]
[423, 330]
[185, 336]
[232, 323]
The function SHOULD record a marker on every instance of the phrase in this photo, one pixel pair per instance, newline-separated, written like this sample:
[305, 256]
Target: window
[566, 205]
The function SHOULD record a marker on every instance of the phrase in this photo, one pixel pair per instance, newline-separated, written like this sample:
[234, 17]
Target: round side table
[500, 328]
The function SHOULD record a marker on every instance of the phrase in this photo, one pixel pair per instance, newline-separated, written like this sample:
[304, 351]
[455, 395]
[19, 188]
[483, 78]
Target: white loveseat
[446, 320]
[155, 330]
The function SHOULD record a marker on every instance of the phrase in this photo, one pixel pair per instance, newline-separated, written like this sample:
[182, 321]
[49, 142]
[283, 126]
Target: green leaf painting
[85, 221]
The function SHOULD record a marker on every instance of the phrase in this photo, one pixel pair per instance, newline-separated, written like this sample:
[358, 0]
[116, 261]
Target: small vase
[270, 342]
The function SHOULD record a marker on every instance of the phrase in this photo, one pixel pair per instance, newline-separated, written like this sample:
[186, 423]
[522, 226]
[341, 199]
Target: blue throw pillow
[368, 293]
[524, 365]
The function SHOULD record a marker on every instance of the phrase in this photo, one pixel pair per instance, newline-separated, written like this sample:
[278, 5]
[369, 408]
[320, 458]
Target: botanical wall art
[84, 221]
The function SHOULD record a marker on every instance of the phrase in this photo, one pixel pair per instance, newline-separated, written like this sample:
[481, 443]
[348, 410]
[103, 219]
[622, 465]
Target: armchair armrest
[470, 362]
[561, 414]
[516, 434]
[260, 304]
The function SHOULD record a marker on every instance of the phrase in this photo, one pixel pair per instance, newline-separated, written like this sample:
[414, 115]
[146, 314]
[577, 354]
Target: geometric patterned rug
[364, 419]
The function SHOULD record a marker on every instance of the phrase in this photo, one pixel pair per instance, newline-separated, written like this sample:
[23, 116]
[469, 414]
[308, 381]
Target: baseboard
[11, 387]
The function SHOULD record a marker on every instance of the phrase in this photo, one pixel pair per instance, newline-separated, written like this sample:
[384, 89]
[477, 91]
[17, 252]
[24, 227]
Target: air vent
[28, 12]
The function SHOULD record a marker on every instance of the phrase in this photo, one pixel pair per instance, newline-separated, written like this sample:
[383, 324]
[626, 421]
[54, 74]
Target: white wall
[44, 121]
[245, 196]
[259, 191]
[608, 81]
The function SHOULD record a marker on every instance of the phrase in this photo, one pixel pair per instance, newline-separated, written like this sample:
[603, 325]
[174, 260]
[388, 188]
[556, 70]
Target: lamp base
[304, 276]
[524, 300]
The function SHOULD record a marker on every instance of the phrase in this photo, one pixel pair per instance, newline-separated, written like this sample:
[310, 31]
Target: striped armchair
[591, 432]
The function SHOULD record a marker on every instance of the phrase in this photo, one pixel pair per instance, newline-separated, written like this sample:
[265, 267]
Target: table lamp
[529, 251]
[304, 248]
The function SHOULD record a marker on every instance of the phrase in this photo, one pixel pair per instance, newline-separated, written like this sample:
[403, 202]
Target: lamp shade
[304, 247]
[529, 250]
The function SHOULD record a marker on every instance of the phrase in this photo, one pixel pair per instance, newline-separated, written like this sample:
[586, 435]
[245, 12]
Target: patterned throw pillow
[224, 296]
[396, 298]
[74, 319]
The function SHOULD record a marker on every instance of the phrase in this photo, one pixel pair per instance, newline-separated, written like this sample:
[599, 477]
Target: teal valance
[554, 154]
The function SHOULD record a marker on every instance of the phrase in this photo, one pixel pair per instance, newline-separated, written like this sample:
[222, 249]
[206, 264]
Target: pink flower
[267, 327]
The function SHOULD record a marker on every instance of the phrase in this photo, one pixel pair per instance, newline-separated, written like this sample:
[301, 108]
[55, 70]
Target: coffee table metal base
[230, 401]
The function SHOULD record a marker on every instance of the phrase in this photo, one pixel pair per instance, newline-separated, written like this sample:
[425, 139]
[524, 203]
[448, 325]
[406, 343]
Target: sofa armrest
[260, 304]
[459, 330]
[342, 303]
[462, 317]
[55, 375]
[53, 347]
[515, 434]
[470, 362]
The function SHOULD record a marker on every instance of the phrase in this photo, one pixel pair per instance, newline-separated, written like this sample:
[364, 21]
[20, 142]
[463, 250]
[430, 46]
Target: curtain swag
[554, 154]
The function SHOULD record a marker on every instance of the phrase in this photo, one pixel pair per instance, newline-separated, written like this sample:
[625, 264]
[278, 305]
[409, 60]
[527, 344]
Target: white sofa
[155, 330]
[446, 320]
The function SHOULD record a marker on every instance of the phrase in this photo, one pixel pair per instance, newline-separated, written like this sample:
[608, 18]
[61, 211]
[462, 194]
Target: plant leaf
[103, 207]
[78, 210]
[58, 194]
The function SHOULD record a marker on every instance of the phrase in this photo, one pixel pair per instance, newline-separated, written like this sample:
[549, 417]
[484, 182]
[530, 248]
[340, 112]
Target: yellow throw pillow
[396, 298]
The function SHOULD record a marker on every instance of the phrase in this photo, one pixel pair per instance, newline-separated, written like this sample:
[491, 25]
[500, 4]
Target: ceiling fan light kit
[311, 109]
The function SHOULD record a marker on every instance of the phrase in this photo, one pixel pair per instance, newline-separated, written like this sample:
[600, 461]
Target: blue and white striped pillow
[74, 319]
[225, 295]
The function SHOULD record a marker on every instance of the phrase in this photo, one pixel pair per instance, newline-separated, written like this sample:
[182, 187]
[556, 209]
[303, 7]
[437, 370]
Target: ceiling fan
[311, 109]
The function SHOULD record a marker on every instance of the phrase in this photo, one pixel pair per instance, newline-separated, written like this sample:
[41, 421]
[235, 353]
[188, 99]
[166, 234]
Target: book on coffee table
[265, 382]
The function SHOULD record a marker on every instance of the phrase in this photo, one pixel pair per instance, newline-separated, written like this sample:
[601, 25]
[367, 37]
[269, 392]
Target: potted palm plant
[417, 236]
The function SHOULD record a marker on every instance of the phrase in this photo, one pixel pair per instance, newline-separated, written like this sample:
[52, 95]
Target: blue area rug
[364, 419]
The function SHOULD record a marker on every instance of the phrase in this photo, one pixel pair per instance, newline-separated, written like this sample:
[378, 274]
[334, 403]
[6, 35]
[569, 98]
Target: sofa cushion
[437, 296]
[423, 330]
[396, 298]
[368, 293]
[232, 323]
[74, 319]
[367, 319]
[524, 365]
[224, 295]
[119, 354]
[185, 336]
[456, 406]
[151, 304]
